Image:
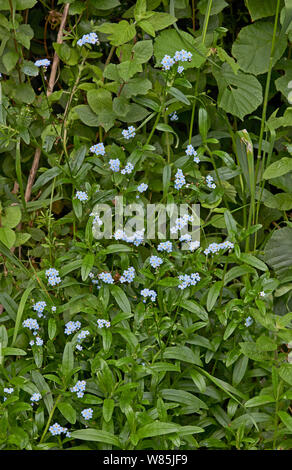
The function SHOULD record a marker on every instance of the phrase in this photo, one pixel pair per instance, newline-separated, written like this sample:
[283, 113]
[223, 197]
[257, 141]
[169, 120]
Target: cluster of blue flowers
[38, 341]
[180, 56]
[191, 151]
[42, 63]
[129, 133]
[188, 280]
[173, 116]
[35, 398]
[98, 149]
[31, 323]
[165, 246]
[210, 182]
[179, 179]
[106, 277]
[82, 196]
[148, 293]
[248, 321]
[90, 38]
[115, 165]
[8, 390]
[96, 219]
[82, 335]
[128, 169]
[181, 222]
[128, 275]
[56, 430]
[53, 276]
[101, 323]
[71, 327]
[155, 261]
[39, 308]
[79, 388]
[87, 413]
[193, 245]
[137, 238]
[215, 247]
[142, 187]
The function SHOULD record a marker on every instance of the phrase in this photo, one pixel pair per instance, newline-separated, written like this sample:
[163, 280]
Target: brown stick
[36, 159]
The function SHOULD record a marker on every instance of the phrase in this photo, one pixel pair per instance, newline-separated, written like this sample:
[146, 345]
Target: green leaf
[52, 328]
[67, 411]
[213, 295]
[86, 266]
[121, 299]
[9, 60]
[11, 217]
[13, 352]
[185, 398]
[170, 41]
[252, 351]
[278, 252]
[260, 400]
[216, 7]
[87, 116]
[253, 261]
[253, 45]
[181, 353]
[7, 236]
[143, 51]
[20, 310]
[67, 360]
[178, 95]
[239, 370]
[261, 9]
[278, 168]
[239, 94]
[198, 310]
[43, 387]
[285, 372]
[119, 33]
[161, 20]
[96, 436]
[286, 419]
[107, 409]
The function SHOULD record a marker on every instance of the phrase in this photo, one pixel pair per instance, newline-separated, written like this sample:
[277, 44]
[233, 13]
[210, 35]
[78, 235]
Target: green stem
[267, 89]
[204, 33]
[50, 418]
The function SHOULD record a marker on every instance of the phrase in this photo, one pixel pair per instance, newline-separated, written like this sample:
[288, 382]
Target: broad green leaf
[96, 436]
[278, 168]
[143, 51]
[185, 398]
[216, 6]
[86, 266]
[261, 9]
[7, 236]
[213, 295]
[20, 310]
[67, 411]
[11, 216]
[119, 33]
[260, 400]
[13, 352]
[252, 48]
[169, 41]
[107, 409]
[121, 299]
[286, 419]
[253, 261]
[67, 360]
[239, 94]
[278, 252]
[181, 353]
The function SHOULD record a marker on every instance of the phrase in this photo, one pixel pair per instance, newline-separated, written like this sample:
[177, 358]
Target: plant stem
[50, 418]
[267, 89]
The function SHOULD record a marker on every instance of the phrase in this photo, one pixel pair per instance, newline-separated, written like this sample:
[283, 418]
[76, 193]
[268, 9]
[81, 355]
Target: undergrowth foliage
[132, 342]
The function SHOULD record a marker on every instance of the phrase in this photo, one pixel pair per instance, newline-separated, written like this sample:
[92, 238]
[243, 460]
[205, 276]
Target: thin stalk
[267, 89]
[204, 33]
[50, 418]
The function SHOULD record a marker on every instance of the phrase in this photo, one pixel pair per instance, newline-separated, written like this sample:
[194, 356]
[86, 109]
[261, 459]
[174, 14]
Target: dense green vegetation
[145, 343]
